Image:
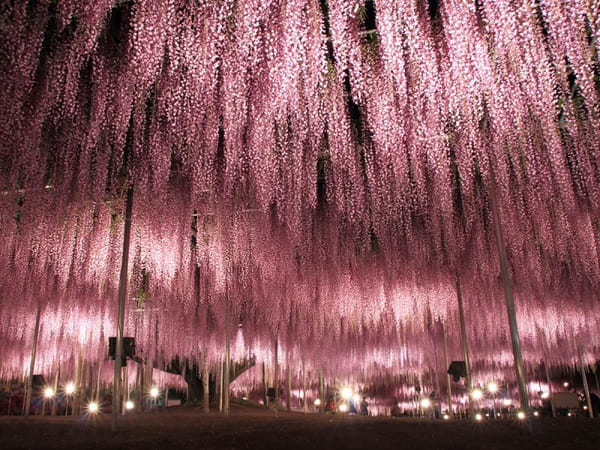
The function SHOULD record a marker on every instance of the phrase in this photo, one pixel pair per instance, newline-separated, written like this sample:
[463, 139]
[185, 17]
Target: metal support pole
[437, 380]
[304, 399]
[265, 384]
[205, 382]
[550, 393]
[226, 370]
[221, 385]
[510, 302]
[276, 371]
[56, 381]
[116, 397]
[36, 333]
[465, 345]
[446, 365]
[321, 391]
[586, 388]
[98, 381]
[288, 386]
[125, 397]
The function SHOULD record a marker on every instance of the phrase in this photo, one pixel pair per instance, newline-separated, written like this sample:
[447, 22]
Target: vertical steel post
[36, 333]
[446, 364]
[465, 345]
[205, 381]
[510, 301]
[586, 388]
[116, 397]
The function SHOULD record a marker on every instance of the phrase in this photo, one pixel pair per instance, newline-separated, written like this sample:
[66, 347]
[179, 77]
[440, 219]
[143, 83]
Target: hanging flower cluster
[298, 175]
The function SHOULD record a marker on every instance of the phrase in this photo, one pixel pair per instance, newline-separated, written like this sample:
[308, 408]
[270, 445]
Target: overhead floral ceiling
[324, 168]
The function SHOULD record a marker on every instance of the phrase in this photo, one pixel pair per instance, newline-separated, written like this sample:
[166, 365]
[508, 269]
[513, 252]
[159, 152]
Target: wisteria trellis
[339, 177]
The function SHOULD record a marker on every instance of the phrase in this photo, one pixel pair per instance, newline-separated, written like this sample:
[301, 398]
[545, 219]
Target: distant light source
[154, 392]
[356, 398]
[566, 384]
[92, 407]
[425, 403]
[478, 417]
[493, 387]
[343, 408]
[521, 415]
[346, 393]
[48, 392]
[545, 395]
[446, 417]
[585, 407]
[535, 413]
[477, 394]
[317, 402]
[129, 405]
[569, 414]
[69, 388]
[506, 402]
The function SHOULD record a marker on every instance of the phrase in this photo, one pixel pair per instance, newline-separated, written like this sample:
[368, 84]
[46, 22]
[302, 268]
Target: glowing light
[93, 407]
[129, 405]
[476, 394]
[507, 402]
[545, 395]
[154, 392]
[48, 392]
[569, 414]
[478, 417]
[493, 387]
[521, 415]
[566, 384]
[343, 408]
[425, 403]
[585, 407]
[346, 393]
[317, 402]
[446, 417]
[70, 388]
[356, 398]
[536, 414]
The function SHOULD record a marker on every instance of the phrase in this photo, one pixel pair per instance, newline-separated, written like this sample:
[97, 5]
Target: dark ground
[252, 428]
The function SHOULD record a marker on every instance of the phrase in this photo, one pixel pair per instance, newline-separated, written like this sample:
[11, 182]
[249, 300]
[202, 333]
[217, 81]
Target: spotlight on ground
[346, 393]
[48, 392]
[93, 408]
[477, 394]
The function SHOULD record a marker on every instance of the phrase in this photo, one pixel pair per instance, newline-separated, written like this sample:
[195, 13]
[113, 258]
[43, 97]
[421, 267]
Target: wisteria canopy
[317, 171]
